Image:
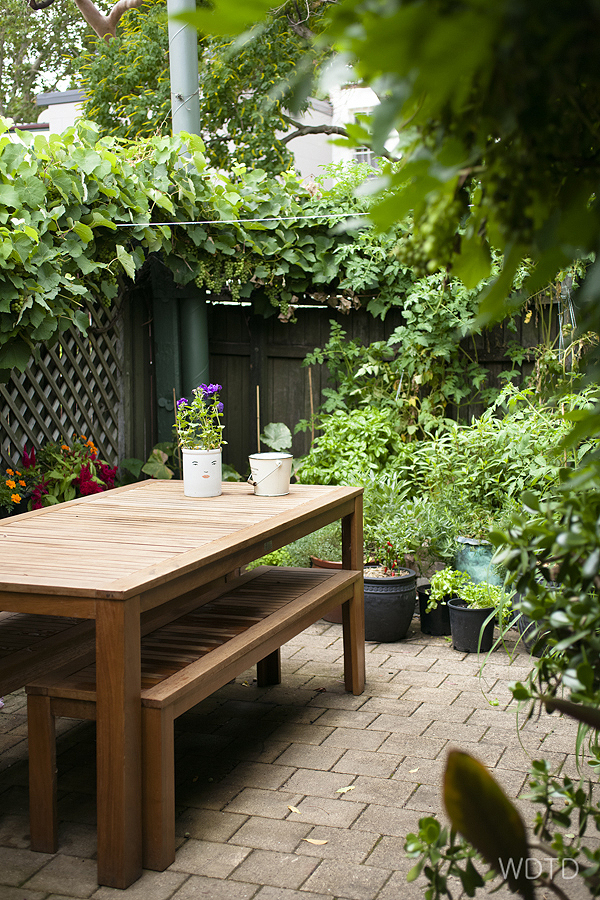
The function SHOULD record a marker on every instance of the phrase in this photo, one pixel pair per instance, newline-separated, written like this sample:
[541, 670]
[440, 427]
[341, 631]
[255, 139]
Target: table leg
[352, 537]
[353, 611]
[119, 742]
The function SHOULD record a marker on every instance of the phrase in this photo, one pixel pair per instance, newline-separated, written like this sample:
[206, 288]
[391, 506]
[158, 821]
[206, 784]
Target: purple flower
[182, 402]
[220, 407]
[209, 390]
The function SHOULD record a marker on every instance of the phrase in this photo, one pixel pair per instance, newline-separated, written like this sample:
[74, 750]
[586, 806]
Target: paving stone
[255, 802]
[340, 718]
[284, 870]
[329, 700]
[151, 886]
[17, 865]
[305, 734]
[260, 834]
[392, 792]
[397, 888]
[425, 694]
[208, 824]
[398, 707]
[455, 732]
[208, 858]
[259, 752]
[14, 831]
[386, 820]
[426, 798]
[388, 853]
[323, 811]
[271, 893]
[422, 679]
[260, 775]
[399, 724]
[313, 783]
[214, 889]
[340, 879]
[423, 771]
[295, 715]
[309, 757]
[339, 843]
[352, 739]
[403, 744]
[78, 874]
[78, 839]
[364, 762]
[17, 893]
[206, 796]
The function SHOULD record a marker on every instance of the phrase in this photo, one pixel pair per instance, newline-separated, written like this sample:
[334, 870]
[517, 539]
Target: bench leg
[268, 670]
[353, 621]
[43, 817]
[158, 794]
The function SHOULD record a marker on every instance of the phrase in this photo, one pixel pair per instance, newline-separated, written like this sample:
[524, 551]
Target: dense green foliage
[500, 101]
[243, 85]
[62, 201]
[37, 50]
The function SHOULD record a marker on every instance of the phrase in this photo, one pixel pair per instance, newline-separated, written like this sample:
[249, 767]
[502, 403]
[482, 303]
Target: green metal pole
[193, 339]
[185, 111]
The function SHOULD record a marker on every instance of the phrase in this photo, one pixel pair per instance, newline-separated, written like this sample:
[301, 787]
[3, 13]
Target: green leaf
[126, 260]
[277, 436]
[132, 465]
[156, 466]
[480, 810]
[84, 232]
[228, 18]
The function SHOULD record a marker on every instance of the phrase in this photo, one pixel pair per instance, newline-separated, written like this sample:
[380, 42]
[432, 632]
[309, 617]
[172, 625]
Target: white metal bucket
[270, 473]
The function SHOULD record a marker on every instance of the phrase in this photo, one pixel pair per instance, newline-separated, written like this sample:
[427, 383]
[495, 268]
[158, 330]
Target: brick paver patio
[260, 771]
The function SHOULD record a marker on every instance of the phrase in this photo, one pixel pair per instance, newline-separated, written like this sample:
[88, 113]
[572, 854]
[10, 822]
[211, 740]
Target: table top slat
[127, 540]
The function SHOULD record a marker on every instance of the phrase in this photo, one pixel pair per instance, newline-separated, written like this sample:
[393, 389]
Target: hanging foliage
[79, 217]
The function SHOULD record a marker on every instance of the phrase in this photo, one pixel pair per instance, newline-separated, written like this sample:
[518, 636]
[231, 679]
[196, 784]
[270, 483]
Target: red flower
[28, 458]
[107, 474]
[37, 494]
[86, 483]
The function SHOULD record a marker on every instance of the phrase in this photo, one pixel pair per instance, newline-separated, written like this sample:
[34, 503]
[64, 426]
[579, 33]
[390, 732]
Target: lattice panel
[74, 388]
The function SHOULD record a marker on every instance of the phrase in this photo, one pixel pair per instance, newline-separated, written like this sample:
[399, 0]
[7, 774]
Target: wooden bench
[184, 662]
[31, 645]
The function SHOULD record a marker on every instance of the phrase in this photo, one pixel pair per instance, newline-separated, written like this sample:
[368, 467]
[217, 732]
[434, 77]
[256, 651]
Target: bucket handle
[278, 464]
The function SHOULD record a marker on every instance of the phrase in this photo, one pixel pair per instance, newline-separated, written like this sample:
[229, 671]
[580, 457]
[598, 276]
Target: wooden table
[111, 557]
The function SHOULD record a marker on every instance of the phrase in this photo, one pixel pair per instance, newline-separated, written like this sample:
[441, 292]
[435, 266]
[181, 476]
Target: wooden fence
[105, 385]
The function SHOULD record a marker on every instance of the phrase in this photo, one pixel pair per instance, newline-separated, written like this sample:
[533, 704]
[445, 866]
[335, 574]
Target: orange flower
[23, 483]
[64, 447]
[11, 484]
[15, 498]
[17, 473]
[9, 472]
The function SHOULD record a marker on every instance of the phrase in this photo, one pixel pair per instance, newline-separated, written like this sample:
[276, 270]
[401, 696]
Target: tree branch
[39, 4]
[104, 26]
[301, 130]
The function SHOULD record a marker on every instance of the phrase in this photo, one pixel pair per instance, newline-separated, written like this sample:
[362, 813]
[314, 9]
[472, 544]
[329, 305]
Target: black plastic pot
[468, 627]
[437, 621]
[389, 606]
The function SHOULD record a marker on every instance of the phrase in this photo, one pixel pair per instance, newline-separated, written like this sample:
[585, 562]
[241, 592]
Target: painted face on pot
[206, 468]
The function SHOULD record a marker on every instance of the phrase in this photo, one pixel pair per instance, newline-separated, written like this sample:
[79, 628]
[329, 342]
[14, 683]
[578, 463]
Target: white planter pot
[201, 473]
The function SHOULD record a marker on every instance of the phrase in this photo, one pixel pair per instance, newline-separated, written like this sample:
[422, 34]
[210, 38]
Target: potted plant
[433, 600]
[389, 589]
[200, 432]
[473, 613]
